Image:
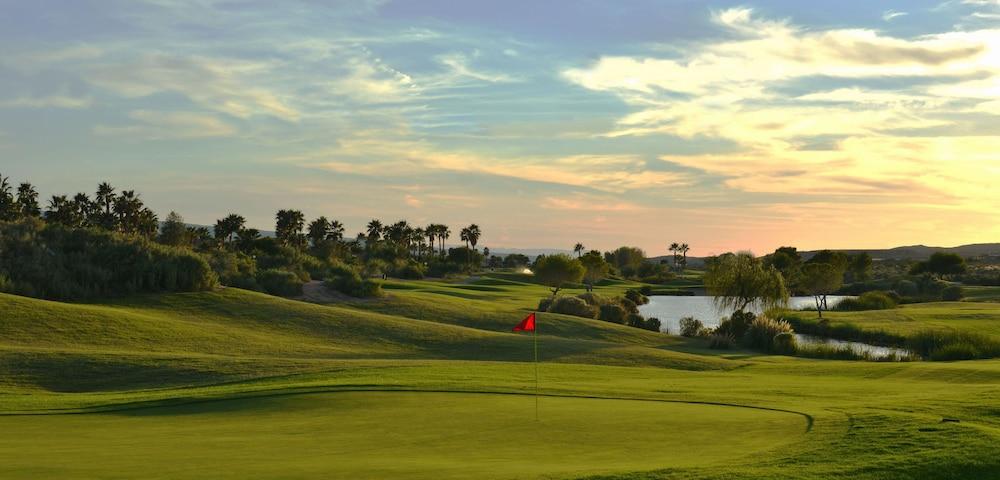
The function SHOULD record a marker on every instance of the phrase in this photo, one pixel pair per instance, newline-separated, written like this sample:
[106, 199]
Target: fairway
[389, 435]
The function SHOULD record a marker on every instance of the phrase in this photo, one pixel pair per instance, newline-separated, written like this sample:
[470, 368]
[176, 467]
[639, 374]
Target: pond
[670, 310]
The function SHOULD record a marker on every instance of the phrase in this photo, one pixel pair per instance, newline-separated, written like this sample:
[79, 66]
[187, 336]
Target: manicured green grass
[390, 435]
[239, 384]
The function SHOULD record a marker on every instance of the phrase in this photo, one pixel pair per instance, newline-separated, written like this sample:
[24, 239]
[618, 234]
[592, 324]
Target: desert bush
[573, 306]
[691, 327]
[280, 282]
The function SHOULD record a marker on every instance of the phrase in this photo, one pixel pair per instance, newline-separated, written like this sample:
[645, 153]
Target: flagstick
[534, 338]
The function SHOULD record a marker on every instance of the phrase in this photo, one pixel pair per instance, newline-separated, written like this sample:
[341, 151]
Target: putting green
[388, 435]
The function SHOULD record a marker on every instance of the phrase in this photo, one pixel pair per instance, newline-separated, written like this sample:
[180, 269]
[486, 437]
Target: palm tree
[84, 209]
[443, 234]
[374, 231]
[228, 227]
[463, 235]
[27, 201]
[474, 234]
[431, 231]
[684, 251]
[336, 231]
[417, 241]
[289, 227]
[8, 207]
[245, 239]
[105, 199]
[578, 248]
[318, 230]
[675, 247]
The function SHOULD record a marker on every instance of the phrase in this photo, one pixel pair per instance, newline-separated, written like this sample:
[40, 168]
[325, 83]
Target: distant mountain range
[911, 252]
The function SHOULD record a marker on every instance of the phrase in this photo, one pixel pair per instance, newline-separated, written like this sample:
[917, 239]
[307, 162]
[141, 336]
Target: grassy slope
[233, 334]
[975, 317]
[871, 421]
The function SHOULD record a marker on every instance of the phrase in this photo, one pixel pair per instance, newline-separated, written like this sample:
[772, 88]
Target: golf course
[429, 382]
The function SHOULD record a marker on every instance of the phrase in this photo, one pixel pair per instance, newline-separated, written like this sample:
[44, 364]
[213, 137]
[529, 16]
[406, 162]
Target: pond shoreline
[669, 309]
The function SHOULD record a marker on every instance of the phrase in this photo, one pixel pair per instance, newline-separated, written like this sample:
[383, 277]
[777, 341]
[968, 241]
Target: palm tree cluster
[679, 251]
[122, 212]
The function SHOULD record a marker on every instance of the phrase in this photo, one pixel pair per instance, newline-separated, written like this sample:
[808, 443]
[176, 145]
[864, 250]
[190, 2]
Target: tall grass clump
[843, 331]
[946, 345]
[846, 352]
[762, 332]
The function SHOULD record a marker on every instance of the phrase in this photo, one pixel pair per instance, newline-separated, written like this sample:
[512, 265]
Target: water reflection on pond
[670, 310]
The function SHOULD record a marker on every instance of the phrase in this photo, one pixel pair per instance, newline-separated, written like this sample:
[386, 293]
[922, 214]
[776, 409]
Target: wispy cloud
[168, 125]
[890, 15]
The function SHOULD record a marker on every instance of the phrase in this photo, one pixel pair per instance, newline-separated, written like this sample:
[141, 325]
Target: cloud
[590, 203]
[736, 89]
[48, 101]
[168, 125]
[890, 15]
[459, 65]
[224, 85]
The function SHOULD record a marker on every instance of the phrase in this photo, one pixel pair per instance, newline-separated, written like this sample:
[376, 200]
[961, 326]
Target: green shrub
[234, 269]
[345, 279]
[544, 304]
[636, 297]
[867, 301]
[654, 324]
[784, 343]
[691, 327]
[628, 305]
[736, 325]
[409, 271]
[593, 299]
[573, 306]
[62, 263]
[613, 313]
[646, 290]
[280, 282]
[952, 293]
[635, 320]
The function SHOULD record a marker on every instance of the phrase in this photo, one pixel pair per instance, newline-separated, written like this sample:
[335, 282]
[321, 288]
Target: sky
[724, 125]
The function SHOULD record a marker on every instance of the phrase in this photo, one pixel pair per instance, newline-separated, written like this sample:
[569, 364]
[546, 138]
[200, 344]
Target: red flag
[526, 325]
